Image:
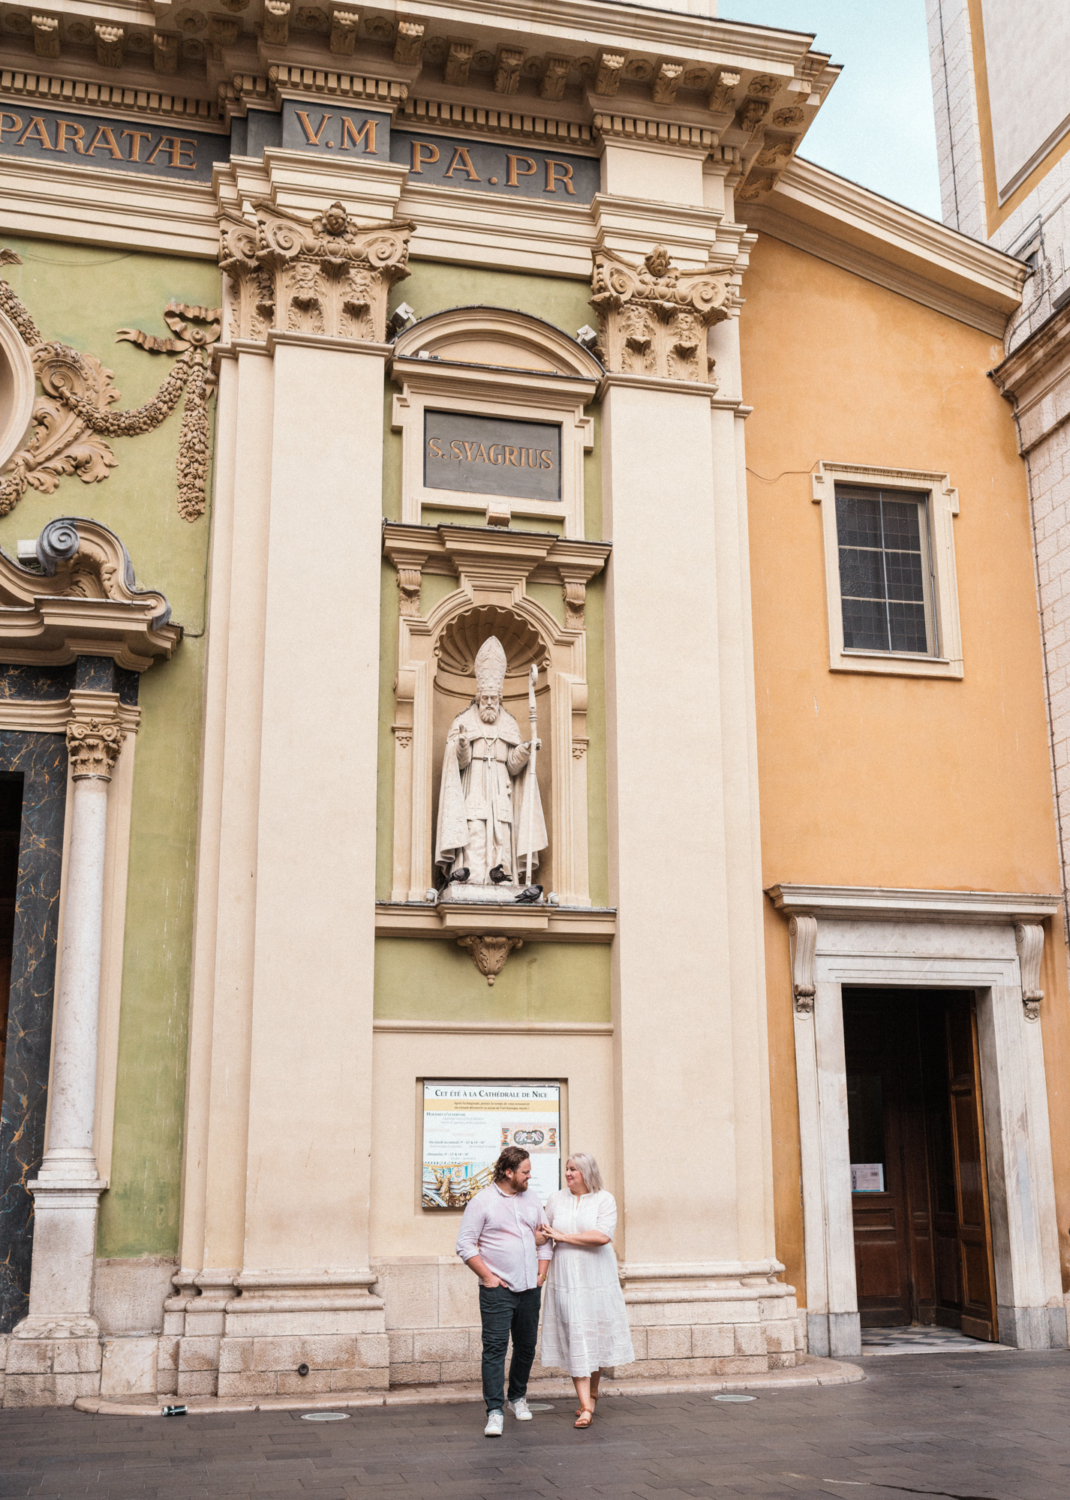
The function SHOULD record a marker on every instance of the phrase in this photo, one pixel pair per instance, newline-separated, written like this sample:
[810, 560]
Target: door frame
[927, 940]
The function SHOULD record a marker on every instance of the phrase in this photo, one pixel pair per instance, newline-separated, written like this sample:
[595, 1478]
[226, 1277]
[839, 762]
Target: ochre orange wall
[874, 780]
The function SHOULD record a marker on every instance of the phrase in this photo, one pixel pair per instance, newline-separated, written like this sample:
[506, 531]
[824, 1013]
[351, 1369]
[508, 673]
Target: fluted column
[67, 1188]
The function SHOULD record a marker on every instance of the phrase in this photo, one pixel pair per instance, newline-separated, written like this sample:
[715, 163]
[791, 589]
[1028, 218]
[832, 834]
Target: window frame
[942, 506]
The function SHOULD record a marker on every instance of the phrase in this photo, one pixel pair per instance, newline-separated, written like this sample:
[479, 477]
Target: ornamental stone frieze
[71, 419]
[654, 316]
[326, 275]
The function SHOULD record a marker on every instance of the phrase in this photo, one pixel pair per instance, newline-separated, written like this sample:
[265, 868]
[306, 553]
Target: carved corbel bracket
[1029, 940]
[489, 953]
[654, 316]
[802, 935]
[325, 275]
[574, 591]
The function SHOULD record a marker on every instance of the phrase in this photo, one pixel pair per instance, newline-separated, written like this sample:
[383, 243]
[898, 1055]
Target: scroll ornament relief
[802, 937]
[71, 419]
[654, 317]
[324, 275]
[1029, 940]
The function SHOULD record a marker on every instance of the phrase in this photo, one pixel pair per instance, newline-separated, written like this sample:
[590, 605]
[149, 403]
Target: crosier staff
[529, 799]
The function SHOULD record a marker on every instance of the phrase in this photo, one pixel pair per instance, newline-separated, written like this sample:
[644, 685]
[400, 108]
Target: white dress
[584, 1320]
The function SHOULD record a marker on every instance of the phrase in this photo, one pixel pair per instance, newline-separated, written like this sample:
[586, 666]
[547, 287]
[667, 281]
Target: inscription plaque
[492, 456]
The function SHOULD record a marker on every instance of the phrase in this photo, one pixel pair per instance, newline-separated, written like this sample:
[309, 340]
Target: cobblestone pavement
[995, 1428]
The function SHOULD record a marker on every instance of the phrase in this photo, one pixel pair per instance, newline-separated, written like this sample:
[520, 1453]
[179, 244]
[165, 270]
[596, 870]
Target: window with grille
[886, 583]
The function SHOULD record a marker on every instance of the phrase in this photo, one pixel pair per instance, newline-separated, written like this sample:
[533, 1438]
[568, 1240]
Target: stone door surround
[916, 939]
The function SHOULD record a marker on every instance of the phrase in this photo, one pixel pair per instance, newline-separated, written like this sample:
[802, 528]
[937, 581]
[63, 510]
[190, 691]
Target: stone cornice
[448, 549]
[839, 221]
[1036, 358]
[51, 715]
[551, 924]
[87, 604]
[898, 904]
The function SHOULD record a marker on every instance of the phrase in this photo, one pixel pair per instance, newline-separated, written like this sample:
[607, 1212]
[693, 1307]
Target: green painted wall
[81, 296]
[434, 980]
[419, 979]
[434, 285]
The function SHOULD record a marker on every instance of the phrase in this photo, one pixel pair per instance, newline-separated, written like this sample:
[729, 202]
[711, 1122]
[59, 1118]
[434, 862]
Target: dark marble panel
[36, 683]
[127, 684]
[95, 674]
[42, 761]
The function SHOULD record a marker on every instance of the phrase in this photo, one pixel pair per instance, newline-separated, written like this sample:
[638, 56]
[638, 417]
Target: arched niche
[16, 390]
[435, 681]
[454, 654]
[515, 370]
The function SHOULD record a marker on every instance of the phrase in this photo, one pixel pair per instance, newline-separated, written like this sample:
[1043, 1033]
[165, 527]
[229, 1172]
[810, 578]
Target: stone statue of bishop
[485, 820]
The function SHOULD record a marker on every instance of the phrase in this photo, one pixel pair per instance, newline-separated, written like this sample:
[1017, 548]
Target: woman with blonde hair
[584, 1323]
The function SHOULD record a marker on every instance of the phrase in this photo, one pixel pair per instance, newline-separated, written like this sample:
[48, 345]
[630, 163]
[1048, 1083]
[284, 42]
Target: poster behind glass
[466, 1126]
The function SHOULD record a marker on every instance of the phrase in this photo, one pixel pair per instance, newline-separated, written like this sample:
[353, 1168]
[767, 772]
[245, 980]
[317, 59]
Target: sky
[884, 49]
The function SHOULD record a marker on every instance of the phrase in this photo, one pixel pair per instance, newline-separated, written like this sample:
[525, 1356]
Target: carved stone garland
[654, 317]
[72, 418]
[324, 275]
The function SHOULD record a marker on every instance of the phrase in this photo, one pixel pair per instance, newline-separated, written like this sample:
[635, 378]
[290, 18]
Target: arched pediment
[497, 337]
[79, 597]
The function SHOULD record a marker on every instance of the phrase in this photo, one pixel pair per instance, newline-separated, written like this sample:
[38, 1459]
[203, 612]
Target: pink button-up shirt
[501, 1227]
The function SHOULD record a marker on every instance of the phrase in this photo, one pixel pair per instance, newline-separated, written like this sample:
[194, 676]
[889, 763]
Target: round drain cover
[732, 1396]
[325, 1416]
[540, 1406]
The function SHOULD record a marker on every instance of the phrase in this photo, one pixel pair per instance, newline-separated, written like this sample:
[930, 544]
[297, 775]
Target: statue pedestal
[464, 894]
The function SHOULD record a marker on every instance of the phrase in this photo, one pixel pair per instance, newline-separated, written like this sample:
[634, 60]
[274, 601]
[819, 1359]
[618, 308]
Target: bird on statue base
[498, 875]
[460, 876]
[530, 894]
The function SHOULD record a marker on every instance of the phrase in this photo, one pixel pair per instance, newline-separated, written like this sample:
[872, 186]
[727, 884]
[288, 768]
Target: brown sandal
[594, 1403]
[585, 1418]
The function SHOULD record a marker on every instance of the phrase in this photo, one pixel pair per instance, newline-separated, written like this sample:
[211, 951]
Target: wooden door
[923, 1244]
[973, 1233]
[872, 1046]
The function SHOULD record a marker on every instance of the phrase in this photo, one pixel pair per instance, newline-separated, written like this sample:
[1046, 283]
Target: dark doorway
[10, 827]
[919, 1186]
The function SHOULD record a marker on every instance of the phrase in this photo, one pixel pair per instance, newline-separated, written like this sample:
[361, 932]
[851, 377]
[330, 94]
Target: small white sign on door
[867, 1177]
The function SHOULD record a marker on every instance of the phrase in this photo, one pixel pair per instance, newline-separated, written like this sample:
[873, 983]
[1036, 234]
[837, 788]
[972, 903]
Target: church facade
[517, 625]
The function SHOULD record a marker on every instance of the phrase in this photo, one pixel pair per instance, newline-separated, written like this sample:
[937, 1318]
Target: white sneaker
[495, 1423]
[521, 1410]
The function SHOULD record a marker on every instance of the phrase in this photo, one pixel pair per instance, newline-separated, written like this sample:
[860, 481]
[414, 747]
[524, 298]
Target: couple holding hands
[510, 1241]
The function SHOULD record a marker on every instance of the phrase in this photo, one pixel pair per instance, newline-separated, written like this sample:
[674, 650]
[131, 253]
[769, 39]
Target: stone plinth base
[51, 1371]
[716, 1319]
[251, 1335]
[809, 1372]
[708, 1321]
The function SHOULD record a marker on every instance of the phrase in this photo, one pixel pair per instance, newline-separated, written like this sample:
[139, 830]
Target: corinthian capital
[654, 316]
[324, 275]
[93, 746]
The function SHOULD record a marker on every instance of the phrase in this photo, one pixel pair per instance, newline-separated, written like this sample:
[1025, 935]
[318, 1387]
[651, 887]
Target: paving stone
[940, 1423]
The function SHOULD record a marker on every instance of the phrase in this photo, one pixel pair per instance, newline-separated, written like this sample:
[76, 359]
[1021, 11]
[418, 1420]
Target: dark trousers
[503, 1313]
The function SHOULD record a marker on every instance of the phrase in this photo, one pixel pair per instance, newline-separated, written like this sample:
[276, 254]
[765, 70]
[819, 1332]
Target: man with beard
[502, 1241]
[483, 816]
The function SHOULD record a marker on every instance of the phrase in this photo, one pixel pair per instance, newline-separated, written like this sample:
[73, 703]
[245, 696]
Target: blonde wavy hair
[587, 1167]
